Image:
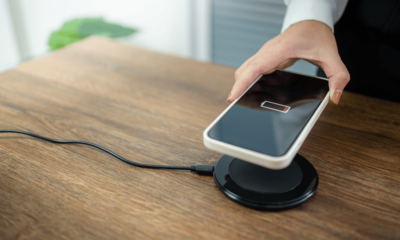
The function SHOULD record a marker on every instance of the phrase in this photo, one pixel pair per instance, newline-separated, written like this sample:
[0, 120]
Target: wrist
[315, 25]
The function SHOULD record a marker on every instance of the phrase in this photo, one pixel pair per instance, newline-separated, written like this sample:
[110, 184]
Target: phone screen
[269, 117]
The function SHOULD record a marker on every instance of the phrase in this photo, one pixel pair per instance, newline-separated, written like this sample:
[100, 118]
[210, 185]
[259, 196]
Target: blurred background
[221, 31]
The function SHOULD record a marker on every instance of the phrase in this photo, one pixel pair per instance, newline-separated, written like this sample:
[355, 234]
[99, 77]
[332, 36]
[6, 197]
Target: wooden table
[153, 108]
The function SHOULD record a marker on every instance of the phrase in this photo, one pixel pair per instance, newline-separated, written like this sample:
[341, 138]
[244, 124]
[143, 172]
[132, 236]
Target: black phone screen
[269, 117]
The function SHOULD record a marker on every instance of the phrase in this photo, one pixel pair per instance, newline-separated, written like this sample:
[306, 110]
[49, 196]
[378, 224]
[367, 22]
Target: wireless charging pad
[261, 188]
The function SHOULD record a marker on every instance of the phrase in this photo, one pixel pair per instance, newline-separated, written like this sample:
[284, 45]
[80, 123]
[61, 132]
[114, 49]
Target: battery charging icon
[275, 106]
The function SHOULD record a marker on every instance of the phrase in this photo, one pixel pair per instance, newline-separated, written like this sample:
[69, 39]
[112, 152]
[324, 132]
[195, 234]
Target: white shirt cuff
[319, 10]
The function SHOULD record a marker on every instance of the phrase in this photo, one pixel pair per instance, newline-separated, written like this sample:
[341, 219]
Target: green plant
[78, 29]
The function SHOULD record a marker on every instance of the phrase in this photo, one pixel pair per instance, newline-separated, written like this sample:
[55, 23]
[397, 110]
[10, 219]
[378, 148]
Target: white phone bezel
[258, 158]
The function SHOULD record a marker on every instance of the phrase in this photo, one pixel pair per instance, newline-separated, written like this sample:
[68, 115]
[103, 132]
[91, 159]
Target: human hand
[310, 40]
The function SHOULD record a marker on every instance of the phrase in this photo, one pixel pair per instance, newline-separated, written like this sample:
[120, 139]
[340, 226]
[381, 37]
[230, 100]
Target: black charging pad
[261, 188]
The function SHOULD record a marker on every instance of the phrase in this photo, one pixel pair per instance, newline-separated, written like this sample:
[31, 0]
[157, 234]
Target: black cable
[200, 169]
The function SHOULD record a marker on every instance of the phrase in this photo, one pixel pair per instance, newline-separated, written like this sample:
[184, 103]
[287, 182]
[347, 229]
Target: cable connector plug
[203, 170]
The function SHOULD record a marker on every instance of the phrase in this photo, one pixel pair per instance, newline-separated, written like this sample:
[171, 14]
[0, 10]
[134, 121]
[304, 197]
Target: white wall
[9, 54]
[163, 24]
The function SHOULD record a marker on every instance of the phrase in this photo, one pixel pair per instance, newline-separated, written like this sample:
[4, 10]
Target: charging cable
[199, 169]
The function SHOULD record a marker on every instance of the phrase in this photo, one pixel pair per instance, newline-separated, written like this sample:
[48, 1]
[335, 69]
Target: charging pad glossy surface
[261, 188]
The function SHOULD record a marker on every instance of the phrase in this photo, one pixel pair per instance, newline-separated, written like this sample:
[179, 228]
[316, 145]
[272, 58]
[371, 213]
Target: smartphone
[269, 122]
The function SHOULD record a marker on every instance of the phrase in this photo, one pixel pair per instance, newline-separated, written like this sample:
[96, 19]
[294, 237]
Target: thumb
[338, 77]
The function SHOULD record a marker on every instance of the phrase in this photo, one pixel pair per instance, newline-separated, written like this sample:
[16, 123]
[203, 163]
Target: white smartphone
[269, 122]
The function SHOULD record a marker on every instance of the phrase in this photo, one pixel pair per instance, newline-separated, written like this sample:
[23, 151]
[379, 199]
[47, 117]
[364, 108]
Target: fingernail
[336, 96]
[229, 97]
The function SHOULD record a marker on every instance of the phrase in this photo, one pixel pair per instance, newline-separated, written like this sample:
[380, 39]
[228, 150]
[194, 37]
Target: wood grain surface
[152, 108]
